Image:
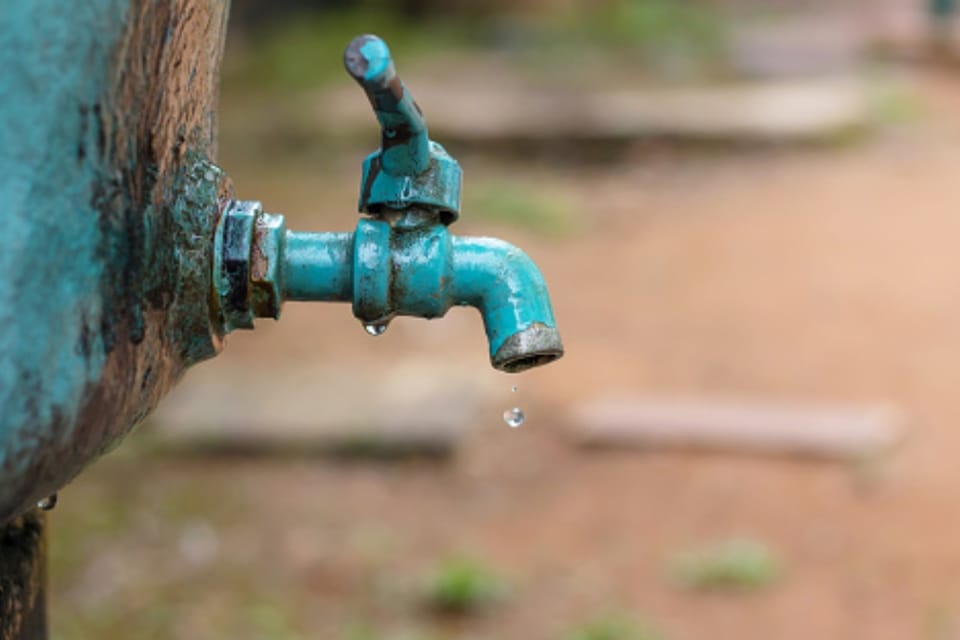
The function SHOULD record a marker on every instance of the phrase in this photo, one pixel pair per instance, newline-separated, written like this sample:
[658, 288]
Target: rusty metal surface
[111, 202]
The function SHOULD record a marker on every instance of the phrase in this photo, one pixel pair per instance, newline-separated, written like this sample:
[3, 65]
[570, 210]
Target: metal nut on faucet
[266, 294]
[233, 243]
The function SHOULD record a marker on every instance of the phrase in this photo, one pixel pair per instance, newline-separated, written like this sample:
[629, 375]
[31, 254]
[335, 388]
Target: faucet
[402, 258]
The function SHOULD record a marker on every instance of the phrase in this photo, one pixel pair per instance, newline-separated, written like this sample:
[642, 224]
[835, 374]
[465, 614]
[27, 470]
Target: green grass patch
[271, 620]
[368, 632]
[634, 38]
[463, 585]
[656, 25]
[894, 103]
[614, 627]
[306, 50]
[731, 565]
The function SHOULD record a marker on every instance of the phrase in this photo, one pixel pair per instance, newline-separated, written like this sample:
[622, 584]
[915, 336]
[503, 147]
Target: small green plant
[270, 620]
[614, 627]
[730, 565]
[460, 585]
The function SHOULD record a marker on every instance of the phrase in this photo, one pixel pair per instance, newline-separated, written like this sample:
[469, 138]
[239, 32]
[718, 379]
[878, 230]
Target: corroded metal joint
[247, 278]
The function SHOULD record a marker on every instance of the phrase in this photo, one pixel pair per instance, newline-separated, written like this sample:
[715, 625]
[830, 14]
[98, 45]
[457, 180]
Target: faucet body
[402, 258]
[411, 265]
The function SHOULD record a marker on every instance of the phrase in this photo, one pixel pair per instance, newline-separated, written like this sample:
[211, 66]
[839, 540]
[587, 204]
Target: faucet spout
[505, 285]
[421, 269]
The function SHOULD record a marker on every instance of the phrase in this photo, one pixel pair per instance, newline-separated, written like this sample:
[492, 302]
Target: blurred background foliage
[299, 45]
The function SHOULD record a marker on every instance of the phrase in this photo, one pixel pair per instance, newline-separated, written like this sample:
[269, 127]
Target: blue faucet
[402, 258]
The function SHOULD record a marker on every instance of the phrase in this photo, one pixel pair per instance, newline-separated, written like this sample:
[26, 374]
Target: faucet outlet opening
[534, 346]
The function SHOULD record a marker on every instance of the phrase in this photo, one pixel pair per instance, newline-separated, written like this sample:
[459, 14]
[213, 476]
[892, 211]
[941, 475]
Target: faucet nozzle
[532, 347]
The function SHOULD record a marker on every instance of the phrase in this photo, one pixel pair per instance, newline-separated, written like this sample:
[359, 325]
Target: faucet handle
[409, 169]
[402, 125]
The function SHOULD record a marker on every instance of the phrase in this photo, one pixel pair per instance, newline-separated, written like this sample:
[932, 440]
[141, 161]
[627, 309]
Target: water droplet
[375, 329]
[515, 388]
[48, 503]
[514, 417]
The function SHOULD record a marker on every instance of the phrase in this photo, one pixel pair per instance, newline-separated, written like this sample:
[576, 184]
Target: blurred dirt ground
[823, 273]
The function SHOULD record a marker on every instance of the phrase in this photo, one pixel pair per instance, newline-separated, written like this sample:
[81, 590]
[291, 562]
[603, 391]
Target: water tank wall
[109, 205]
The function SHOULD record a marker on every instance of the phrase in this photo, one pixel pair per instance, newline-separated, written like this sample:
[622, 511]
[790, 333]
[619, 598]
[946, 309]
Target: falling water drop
[375, 328]
[514, 417]
[48, 503]
[515, 388]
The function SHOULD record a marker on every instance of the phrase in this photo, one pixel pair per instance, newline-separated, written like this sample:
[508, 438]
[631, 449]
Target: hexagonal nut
[232, 263]
[266, 256]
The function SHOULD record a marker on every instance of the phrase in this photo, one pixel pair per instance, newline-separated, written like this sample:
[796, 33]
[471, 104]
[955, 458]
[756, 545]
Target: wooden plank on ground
[826, 431]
